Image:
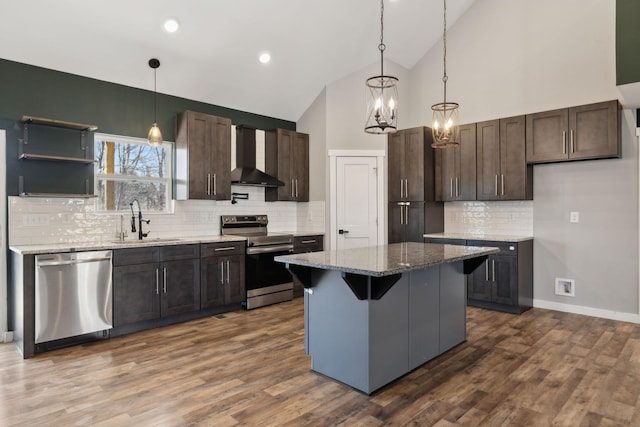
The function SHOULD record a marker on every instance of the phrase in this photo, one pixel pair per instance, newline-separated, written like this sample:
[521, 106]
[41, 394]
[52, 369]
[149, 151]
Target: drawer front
[445, 241]
[133, 256]
[223, 249]
[506, 248]
[175, 252]
[311, 243]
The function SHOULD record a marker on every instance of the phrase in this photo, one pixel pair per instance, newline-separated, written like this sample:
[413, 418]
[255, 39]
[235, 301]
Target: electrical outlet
[565, 287]
[574, 217]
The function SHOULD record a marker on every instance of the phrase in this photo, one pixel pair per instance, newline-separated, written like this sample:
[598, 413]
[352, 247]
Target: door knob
[341, 231]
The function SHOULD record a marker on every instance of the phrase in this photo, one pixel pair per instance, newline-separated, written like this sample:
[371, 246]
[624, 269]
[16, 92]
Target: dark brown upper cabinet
[287, 158]
[203, 157]
[578, 133]
[502, 171]
[456, 168]
[411, 165]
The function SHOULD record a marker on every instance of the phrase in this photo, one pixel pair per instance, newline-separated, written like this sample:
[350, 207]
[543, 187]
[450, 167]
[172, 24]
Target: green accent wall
[114, 108]
[627, 41]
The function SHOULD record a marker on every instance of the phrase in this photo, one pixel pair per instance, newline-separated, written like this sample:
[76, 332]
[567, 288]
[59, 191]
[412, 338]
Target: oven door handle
[253, 250]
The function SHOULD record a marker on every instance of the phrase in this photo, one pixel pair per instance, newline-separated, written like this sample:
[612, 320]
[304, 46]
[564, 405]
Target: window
[128, 168]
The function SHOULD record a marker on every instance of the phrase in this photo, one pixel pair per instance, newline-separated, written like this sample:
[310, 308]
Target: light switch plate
[574, 217]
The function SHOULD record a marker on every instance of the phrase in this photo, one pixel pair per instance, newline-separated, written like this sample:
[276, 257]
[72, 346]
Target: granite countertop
[115, 244]
[386, 259]
[480, 236]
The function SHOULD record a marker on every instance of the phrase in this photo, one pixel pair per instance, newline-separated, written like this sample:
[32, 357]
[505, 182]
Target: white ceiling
[213, 58]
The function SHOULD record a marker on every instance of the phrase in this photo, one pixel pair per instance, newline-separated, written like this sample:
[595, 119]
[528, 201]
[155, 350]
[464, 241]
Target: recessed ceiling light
[171, 25]
[265, 57]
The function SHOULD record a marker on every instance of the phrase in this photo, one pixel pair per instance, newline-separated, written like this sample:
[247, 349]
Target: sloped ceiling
[213, 58]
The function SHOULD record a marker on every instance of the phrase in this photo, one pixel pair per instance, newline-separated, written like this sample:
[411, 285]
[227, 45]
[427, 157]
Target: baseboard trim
[587, 311]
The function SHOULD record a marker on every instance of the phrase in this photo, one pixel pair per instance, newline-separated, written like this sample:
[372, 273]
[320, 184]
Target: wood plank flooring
[249, 368]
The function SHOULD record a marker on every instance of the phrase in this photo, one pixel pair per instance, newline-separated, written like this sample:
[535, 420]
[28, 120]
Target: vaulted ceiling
[213, 57]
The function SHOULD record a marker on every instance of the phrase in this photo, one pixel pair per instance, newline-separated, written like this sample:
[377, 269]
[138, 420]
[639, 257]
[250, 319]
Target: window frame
[167, 180]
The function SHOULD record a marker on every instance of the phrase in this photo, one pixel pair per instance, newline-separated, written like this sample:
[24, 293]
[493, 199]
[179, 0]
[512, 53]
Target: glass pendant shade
[445, 126]
[382, 105]
[155, 136]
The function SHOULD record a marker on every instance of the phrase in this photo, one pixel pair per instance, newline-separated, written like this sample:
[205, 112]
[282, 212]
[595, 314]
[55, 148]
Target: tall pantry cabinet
[412, 208]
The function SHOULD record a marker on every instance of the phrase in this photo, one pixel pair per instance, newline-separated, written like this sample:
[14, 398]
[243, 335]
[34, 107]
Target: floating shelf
[58, 123]
[27, 156]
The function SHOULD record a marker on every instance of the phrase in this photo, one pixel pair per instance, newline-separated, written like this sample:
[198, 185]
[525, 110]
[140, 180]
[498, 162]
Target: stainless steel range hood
[246, 172]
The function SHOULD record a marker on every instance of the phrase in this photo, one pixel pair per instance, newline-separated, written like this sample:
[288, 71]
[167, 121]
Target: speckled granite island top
[386, 260]
[479, 236]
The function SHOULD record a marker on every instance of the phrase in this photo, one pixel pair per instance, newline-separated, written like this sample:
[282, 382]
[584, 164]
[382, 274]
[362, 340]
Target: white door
[356, 202]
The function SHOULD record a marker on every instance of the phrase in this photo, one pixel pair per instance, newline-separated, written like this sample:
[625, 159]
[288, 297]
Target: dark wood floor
[249, 368]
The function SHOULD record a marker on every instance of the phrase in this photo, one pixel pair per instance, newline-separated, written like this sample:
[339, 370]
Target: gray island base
[375, 314]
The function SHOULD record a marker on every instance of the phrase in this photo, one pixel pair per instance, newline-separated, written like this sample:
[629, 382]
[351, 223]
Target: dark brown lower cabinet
[503, 282]
[154, 282]
[222, 273]
[303, 244]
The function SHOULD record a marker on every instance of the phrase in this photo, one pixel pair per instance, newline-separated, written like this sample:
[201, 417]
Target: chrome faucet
[140, 221]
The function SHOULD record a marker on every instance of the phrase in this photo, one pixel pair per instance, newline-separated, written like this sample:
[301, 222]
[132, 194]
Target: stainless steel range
[267, 281]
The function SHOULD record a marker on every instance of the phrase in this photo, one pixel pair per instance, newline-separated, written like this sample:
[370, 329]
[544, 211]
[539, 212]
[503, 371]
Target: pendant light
[382, 94]
[444, 126]
[155, 136]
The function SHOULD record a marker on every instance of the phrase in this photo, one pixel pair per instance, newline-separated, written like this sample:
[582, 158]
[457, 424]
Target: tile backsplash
[508, 217]
[57, 220]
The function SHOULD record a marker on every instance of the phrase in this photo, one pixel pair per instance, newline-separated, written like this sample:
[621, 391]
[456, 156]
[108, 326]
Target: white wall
[510, 57]
[313, 122]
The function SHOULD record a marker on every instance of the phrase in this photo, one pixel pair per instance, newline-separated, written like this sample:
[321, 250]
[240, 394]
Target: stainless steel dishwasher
[73, 294]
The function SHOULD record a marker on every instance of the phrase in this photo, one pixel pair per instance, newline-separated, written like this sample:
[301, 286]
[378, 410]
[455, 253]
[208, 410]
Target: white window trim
[139, 141]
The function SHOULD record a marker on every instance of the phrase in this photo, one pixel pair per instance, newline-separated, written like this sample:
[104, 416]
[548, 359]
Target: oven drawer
[223, 248]
[311, 243]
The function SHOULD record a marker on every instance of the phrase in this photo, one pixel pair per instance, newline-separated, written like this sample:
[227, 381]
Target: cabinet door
[212, 289]
[505, 279]
[594, 131]
[235, 291]
[414, 222]
[285, 192]
[446, 163]
[220, 129]
[199, 155]
[300, 166]
[414, 163]
[396, 228]
[466, 163]
[546, 135]
[395, 153]
[516, 177]
[488, 177]
[180, 286]
[136, 293]
[479, 282]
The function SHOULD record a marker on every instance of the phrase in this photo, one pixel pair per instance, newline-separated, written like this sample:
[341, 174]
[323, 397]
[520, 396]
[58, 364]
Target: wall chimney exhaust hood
[246, 173]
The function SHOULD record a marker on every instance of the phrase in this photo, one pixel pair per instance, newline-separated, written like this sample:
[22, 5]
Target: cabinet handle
[215, 191]
[401, 189]
[451, 188]
[308, 241]
[502, 183]
[401, 214]
[573, 145]
[292, 196]
[493, 270]
[496, 185]
[164, 284]
[406, 214]
[406, 188]
[564, 142]
[228, 248]
[296, 188]
[222, 272]
[227, 271]
[486, 270]
[157, 282]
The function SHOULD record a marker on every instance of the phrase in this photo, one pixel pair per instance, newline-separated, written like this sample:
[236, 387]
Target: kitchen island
[374, 314]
